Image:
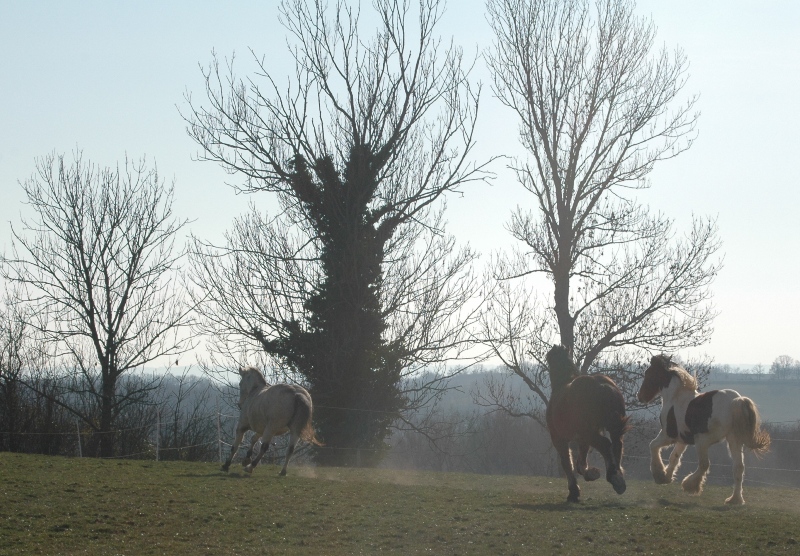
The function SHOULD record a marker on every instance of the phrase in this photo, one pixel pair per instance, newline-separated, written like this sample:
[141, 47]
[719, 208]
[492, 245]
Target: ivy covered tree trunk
[353, 284]
[353, 374]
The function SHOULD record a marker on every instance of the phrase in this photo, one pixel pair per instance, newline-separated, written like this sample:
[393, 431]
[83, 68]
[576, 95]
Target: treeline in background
[185, 416]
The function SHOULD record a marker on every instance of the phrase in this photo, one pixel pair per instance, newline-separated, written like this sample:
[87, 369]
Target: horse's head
[560, 367]
[656, 378]
[252, 380]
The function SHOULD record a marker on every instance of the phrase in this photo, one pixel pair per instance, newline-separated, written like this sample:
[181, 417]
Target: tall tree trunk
[108, 399]
[561, 285]
[11, 395]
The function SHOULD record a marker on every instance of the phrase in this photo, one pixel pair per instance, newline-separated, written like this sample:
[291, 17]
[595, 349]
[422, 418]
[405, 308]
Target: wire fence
[225, 425]
[689, 462]
[156, 448]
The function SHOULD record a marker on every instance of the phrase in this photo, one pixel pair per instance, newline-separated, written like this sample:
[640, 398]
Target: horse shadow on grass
[544, 507]
[593, 506]
[689, 505]
[587, 505]
[219, 474]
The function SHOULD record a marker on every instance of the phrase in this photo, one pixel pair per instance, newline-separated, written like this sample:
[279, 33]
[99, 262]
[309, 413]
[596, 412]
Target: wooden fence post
[158, 432]
[78, 428]
[219, 433]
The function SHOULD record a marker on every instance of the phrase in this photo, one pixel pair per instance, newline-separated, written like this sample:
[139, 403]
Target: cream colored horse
[271, 411]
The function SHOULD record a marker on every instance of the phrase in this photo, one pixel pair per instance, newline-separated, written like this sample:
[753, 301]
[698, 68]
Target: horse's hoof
[574, 493]
[224, 468]
[618, 482]
[248, 469]
[661, 479]
[736, 501]
[282, 473]
[592, 474]
[692, 486]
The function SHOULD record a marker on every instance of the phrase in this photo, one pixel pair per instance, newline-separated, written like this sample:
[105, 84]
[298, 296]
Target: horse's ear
[555, 351]
[241, 371]
[660, 360]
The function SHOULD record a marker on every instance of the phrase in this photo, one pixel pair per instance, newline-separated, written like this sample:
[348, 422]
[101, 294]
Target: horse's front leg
[582, 467]
[266, 438]
[656, 465]
[562, 448]
[693, 483]
[674, 461]
[737, 455]
[240, 432]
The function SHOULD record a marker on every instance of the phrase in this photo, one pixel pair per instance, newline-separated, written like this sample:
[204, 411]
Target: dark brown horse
[582, 407]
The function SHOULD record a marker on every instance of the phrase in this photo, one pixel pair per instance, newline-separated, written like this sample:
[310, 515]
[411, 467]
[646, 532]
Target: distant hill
[778, 400]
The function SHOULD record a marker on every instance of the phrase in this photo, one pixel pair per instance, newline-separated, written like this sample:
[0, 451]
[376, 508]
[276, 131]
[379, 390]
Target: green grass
[53, 505]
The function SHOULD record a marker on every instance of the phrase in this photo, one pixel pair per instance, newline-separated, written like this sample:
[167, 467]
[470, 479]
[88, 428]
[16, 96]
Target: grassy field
[53, 505]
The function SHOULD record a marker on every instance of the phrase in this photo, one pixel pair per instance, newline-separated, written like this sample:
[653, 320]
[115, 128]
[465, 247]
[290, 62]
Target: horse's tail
[625, 424]
[302, 416]
[618, 422]
[747, 425]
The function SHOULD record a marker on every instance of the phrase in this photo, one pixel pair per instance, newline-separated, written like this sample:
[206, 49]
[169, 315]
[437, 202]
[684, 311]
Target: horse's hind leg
[737, 455]
[693, 483]
[613, 470]
[562, 447]
[293, 438]
[248, 457]
[266, 438]
[239, 435]
[582, 467]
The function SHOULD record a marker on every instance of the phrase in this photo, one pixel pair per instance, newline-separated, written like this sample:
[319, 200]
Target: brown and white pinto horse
[688, 417]
[270, 411]
[582, 407]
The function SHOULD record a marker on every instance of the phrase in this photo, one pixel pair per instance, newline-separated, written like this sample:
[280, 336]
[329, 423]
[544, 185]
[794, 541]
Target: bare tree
[597, 109]
[354, 284]
[15, 354]
[188, 418]
[785, 366]
[98, 264]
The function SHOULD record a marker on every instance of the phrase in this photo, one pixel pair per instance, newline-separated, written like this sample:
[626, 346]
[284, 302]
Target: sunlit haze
[110, 78]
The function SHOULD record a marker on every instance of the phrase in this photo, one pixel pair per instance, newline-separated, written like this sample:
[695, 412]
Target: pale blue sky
[109, 78]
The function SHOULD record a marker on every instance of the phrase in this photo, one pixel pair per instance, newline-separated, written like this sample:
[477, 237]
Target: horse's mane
[560, 366]
[665, 362]
[257, 376]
